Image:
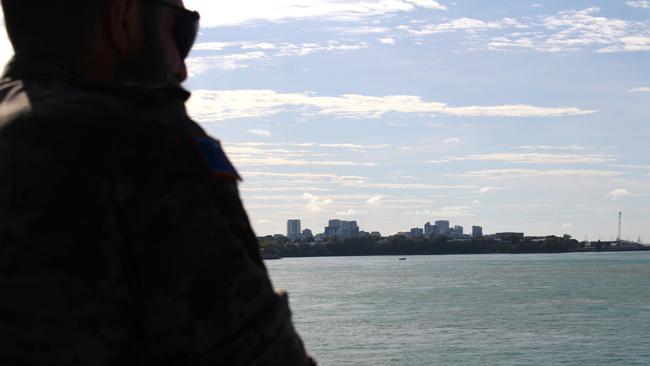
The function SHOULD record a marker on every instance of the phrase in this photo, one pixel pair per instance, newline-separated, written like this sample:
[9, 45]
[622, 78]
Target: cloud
[387, 40]
[375, 201]
[565, 31]
[485, 190]
[220, 13]
[452, 140]
[575, 29]
[248, 53]
[6, 49]
[417, 186]
[464, 24]
[568, 225]
[533, 173]
[259, 46]
[585, 29]
[641, 89]
[289, 49]
[315, 203]
[212, 46]
[199, 65]
[540, 158]
[280, 161]
[357, 30]
[260, 132]
[618, 193]
[454, 211]
[255, 180]
[264, 150]
[632, 166]
[644, 4]
[258, 146]
[629, 44]
[326, 178]
[264, 144]
[255, 189]
[267, 155]
[350, 212]
[550, 147]
[445, 212]
[354, 147]
[220, 105]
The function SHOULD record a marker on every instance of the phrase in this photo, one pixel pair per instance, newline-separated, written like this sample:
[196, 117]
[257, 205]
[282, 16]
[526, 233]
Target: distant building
[477, 232]
[342, 229]
[442, 227]
[306, 235]
[456, 232]
[293, 229]
[430, 230]
[416, 232]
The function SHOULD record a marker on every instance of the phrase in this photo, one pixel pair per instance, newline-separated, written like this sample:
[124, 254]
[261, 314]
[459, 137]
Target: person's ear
[124, 25]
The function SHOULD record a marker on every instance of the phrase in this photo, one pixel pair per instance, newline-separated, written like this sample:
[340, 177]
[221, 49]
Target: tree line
[400, 245]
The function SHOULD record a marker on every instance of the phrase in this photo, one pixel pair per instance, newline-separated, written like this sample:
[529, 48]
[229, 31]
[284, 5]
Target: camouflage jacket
[123, 240]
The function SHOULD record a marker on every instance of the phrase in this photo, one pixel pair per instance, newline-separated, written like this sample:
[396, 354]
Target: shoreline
[646, 249]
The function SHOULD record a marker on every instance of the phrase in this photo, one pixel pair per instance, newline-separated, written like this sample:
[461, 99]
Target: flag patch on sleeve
[215, 158]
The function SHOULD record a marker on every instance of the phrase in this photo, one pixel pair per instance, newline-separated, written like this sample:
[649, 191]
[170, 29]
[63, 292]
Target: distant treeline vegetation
[399, 245]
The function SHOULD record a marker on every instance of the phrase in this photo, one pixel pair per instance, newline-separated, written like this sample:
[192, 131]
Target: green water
[556, 309]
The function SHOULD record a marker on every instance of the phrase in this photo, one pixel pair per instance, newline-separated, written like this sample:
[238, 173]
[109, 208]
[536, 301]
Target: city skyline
[532, 115]
[427, 229]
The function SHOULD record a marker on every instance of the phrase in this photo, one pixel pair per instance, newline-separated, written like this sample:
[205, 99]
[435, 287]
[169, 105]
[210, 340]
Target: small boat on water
[402, 259]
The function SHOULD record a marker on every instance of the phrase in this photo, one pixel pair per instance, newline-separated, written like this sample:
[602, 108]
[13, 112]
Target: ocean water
[539, 309]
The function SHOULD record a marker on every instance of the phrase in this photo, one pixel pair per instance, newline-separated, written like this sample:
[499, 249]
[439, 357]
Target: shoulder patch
[215, 158]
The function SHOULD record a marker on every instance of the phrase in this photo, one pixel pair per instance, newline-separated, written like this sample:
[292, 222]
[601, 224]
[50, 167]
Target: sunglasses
[186, 26]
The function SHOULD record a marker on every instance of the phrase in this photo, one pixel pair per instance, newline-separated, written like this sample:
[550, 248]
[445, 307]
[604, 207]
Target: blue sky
[514, 115]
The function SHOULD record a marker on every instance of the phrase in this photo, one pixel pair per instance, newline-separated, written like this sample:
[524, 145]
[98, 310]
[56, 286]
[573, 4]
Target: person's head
[120, 40]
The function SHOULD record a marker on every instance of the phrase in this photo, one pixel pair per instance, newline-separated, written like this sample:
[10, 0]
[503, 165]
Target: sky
[513, 115]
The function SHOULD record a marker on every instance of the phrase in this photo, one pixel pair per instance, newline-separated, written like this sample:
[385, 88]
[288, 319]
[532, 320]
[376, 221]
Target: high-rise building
[442, 227]
[342, 229]
[293, 229]
[456, 232]
[430, 230]
[477, 232]
[333, 229]
[459, 230]
[416, 232]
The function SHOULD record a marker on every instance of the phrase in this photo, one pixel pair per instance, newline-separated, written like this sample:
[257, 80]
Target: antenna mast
[620, 223]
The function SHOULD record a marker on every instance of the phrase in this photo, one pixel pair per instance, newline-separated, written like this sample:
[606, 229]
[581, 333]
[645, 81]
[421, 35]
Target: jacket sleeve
[201, 290]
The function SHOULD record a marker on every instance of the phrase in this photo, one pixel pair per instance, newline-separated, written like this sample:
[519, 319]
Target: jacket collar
[32, 66]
